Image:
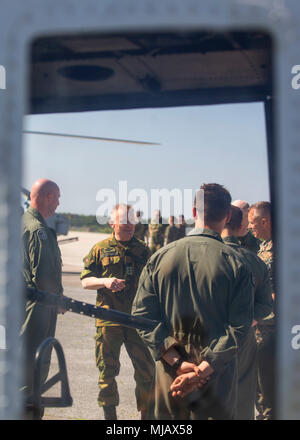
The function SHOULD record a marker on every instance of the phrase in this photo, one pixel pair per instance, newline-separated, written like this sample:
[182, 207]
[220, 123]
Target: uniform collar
[267, 243]
[36, 214]
[206, 232]
[114, 241]
[230, 239]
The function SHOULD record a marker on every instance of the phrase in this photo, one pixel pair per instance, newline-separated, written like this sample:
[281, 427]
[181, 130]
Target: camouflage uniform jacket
[140, 230]
[41, 257]
[111, 258]
[157, 234]
[266, 254]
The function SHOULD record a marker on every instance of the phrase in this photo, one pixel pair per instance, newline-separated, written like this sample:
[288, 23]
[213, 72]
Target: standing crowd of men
[157, 234]
[210, 293]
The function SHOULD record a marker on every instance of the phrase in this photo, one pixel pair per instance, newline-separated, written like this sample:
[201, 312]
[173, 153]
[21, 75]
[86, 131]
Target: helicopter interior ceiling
[88, 72]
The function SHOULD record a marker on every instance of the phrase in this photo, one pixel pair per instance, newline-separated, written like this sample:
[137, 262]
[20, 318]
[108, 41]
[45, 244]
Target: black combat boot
[110, 412]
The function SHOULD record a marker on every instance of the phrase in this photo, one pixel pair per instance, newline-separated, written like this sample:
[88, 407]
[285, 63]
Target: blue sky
[225, 144]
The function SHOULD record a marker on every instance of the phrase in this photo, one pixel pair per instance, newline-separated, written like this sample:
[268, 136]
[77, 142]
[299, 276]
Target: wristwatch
[176, 365]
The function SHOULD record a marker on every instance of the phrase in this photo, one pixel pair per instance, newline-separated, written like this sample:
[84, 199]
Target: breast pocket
[112, 266]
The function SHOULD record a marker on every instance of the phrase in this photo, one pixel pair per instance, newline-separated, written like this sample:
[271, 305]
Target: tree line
[89, 223]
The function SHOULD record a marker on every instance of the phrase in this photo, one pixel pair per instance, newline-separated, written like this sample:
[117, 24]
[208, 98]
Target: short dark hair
[263, 207]
[217, 202]
[236, 218]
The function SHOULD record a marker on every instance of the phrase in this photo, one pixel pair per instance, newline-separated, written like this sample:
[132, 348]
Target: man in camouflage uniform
[156, 232]
[201, 293]
[141, 229]
[260, 224]
[246, 238]
[181, 226]
[263, 309]
[42, 271]
[113, 267]
[171, 233]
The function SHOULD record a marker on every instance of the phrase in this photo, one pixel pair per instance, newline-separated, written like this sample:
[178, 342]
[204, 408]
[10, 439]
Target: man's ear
[228, 218]
[50, 197]
[264, 221]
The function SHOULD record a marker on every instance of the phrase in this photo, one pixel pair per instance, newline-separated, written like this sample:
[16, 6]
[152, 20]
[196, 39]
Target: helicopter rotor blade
[25, 192]
[91, 137]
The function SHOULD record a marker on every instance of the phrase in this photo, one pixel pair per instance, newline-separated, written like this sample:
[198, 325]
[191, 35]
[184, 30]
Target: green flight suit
[247, 354]
[41, 270]
[250, 242]
[124, 260]
[266, 333]
[201, 292]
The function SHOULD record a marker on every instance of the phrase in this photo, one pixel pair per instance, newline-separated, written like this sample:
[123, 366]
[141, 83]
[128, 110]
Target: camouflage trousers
[109, 340]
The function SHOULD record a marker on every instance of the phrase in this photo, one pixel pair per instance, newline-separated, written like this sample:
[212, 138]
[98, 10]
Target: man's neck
[216, 227]
[226, 233]
[120, 238]
[267, 237]
[39, 210]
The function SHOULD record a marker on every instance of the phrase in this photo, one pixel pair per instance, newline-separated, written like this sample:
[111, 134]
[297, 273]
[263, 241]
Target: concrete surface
[76, 335]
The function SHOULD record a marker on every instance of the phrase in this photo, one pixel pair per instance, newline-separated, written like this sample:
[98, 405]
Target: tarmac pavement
[76, 335]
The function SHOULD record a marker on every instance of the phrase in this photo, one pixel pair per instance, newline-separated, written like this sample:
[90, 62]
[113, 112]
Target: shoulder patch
[42, 234]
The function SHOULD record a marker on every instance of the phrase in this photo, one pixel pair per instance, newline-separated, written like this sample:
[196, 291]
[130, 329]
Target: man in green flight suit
[42, 271]
[263, 309]
[261, 226]
[246, 238]
[201, 293]
[113, 267]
